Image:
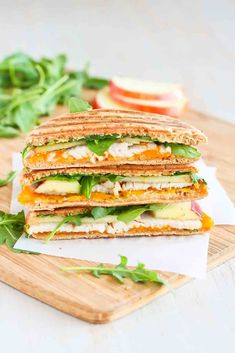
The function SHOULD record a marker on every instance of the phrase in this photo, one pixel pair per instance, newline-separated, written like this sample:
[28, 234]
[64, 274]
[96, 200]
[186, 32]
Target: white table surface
[182, 41]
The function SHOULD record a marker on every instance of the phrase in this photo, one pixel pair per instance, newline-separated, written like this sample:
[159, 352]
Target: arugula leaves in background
[10, 177]
[11, 228]
[78, 105]
[95, 82]
[30, 89]
[121, 271]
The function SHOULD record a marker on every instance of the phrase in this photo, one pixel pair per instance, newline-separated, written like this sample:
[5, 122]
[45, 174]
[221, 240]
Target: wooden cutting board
[103, 300]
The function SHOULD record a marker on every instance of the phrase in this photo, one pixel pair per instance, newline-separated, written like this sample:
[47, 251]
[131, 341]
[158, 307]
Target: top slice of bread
[111, 121]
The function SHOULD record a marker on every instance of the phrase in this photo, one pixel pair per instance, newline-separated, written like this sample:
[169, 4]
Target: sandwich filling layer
[95, 149]
[62, 188]
[121, 220]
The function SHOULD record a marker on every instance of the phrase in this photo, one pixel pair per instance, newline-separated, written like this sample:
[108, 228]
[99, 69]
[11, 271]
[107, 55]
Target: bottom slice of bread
[96, 235]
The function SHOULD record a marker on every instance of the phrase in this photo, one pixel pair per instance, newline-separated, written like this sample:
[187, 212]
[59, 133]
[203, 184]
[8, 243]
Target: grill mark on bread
[103, 122]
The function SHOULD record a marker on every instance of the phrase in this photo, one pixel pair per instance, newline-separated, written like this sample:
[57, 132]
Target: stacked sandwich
[112, 173]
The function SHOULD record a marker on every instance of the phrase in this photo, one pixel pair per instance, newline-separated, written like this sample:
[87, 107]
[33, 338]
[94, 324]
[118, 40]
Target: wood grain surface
[103, 300]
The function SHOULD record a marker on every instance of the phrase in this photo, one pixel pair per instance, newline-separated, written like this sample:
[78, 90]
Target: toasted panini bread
[105, 137]
[108, 186]
[110, 121]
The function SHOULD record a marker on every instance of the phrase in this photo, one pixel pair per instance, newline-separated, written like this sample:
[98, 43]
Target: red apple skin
[196, 208]
[27, 217]
[117, 91]
[95, 104]
[174, 111]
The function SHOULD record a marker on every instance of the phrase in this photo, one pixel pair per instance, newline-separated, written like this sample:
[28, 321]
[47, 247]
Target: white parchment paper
[181, 254]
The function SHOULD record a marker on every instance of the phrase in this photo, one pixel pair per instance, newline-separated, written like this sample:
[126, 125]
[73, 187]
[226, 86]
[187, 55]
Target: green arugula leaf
[196, 178]
[128, 214]
[78, 105]
[121, 271]
[96, 83]
[100, 144]
[18, 70]
[74, 219]
[10, 177]
[113, 178]
[87, 183]
[100, 212]
[8, 131]
[25, 151]
[11, 228]
[183, 150]
[25, 116]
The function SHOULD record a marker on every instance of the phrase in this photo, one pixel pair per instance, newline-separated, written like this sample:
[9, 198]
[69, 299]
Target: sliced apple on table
[103, 100]
[147, 90]
[58, 187]
[174, 108]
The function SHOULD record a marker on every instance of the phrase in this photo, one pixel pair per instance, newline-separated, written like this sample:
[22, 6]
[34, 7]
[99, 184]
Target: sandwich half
[110, 186]
[106, 137]
[109, 222]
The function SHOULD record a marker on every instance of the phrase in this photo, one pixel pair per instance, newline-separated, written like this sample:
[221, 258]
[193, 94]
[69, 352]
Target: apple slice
[58, 187]
[173, 108]
[164, 107]
[179, 211]
[148, 90]
[103, 100]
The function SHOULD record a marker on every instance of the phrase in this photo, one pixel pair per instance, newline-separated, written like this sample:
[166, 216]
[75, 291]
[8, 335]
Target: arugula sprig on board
[10, 177]
[11, 228]
[120, 272]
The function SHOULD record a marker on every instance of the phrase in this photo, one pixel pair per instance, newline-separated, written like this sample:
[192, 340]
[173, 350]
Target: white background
[184, 41]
